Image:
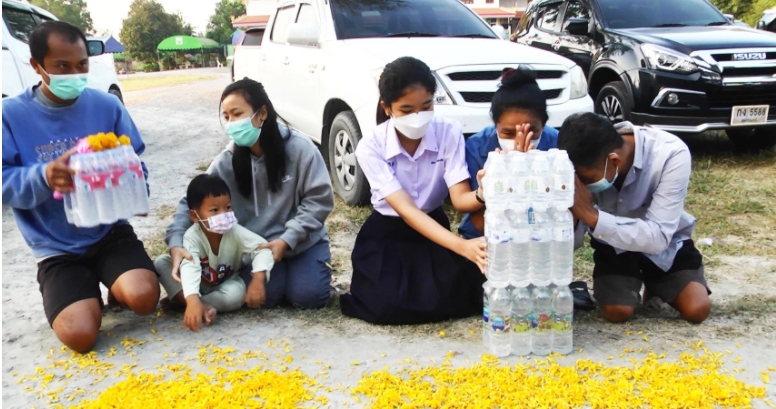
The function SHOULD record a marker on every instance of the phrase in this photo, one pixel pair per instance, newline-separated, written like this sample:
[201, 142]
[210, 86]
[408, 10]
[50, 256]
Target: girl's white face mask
[413, 126]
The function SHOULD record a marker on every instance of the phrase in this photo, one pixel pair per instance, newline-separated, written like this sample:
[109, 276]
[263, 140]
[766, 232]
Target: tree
[220, 27]
[748, 11]
[146, 26]
[186, 28]
[72, 11]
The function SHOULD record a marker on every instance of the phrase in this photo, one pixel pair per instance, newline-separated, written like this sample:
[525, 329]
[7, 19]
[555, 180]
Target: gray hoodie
[296, 213]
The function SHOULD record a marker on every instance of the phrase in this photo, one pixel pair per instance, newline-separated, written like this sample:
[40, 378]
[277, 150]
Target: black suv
[676, 65]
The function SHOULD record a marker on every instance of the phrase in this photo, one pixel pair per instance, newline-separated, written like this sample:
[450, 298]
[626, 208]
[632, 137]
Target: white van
[19, 20]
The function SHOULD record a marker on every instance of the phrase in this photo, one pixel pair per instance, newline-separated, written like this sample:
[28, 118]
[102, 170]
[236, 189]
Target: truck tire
[752, 140]
[117, 93]
[348, 179]
[612, 102]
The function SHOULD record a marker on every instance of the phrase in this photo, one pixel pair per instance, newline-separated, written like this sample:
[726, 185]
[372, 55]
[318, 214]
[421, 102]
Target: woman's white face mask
[413, 126]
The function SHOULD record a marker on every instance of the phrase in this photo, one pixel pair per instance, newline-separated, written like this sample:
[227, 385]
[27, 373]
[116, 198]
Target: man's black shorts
[69, 278]
[617, 278]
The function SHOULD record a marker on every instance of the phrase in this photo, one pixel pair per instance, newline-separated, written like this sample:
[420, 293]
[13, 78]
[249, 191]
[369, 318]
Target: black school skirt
[401, 277]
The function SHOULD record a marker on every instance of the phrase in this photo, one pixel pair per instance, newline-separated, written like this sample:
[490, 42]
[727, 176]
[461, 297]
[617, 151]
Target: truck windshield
[659, 13]
[406, 18]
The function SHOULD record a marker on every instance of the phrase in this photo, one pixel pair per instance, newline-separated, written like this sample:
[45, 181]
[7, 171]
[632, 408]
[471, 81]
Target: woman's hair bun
[516, 78]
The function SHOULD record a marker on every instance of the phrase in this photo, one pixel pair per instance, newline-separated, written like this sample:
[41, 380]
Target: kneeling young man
[630, 191]
[40, 126]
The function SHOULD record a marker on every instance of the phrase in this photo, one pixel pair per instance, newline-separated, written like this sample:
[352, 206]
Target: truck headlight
[661, 58]
[441, 96]
[578, 87]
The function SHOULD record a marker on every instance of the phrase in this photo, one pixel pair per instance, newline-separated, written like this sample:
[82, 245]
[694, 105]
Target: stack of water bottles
[528, 306]
[108, 184]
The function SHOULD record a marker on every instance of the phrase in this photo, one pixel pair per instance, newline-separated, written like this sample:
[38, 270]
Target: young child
[210, 282]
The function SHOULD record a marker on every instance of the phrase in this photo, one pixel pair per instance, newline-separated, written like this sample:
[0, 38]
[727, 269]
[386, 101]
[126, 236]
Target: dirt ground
[182, 132]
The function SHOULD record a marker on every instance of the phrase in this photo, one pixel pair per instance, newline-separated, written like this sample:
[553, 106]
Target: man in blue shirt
[629, 195]
[40, 128]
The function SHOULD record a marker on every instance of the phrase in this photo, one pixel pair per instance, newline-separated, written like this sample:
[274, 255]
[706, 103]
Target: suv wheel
[117, 93]
[349, 181]
[752, 139]
[611, 102]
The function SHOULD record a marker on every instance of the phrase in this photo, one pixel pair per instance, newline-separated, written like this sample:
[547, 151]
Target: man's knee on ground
[309, 297]
[617, 313]
[78, 325]
[139, 290]
[697, 311]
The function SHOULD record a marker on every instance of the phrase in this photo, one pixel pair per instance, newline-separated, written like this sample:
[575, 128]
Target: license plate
[748, 115]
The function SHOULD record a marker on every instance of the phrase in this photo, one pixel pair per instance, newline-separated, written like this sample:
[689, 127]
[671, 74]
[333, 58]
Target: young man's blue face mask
[603, 184]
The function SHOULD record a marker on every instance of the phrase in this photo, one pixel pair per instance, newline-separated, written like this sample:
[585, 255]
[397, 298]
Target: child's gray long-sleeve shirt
[296, 213]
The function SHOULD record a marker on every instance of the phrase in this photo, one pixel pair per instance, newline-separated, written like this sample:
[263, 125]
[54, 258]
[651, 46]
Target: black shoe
[582, 299]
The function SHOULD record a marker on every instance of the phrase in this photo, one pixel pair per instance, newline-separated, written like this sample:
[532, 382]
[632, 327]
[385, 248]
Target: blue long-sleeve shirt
[34, 135]
[477, 148]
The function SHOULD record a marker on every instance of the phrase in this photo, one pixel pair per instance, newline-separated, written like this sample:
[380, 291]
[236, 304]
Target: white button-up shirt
[647, 214]
[438, 163]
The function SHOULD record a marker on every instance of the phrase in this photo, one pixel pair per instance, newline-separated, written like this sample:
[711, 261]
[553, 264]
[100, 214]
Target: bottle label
[521, 235]
[541, 322]
[562, 322]
[531, 216]
[541, 186]
[499, 235]
[500, 324]
[496, 187]
[485, 315]
[521, 323]
[521, 186]
[541, 234]
[561, 234]
[562, 183]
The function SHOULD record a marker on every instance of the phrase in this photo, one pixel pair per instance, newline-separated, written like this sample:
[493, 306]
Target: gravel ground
[182, 133]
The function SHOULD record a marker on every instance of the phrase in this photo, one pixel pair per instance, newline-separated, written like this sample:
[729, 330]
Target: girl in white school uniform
[408, 267]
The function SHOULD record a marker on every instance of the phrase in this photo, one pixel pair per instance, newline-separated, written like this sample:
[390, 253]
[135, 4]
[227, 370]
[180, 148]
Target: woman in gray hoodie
[280, 190]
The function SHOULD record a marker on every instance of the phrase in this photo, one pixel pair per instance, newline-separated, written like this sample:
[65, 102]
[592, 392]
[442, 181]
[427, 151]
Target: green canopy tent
[188, 43]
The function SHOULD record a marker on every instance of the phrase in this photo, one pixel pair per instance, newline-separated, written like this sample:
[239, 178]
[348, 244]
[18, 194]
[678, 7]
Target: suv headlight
[661, 58]
[578, 82]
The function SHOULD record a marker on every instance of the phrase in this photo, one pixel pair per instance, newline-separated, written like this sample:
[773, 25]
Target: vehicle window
[253, 38]
[307, 15]
[659, 13]
[575, 9]
[548, 17]
[20, 23]
[525, 22]
[397, 18]
[283, 19]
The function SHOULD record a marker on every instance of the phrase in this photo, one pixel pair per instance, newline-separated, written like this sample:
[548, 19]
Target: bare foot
[113, 303]
[166, 304]
[210, 314]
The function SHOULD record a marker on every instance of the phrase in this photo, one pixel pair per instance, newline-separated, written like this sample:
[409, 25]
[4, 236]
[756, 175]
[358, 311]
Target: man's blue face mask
[603, 184]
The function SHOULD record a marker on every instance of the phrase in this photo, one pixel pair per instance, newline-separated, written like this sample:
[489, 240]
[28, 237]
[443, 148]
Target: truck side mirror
[578, 26]
[95, 47]
[302, 34]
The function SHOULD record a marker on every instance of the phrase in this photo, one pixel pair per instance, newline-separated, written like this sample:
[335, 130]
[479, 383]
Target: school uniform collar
[393, 148]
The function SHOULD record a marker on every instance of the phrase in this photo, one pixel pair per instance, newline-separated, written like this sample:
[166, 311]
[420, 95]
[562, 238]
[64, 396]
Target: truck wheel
[612, 102]
[752, 140]
[349, 181]
[117, 93]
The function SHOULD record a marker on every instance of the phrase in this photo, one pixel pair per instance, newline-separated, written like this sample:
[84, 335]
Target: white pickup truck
[19, 20]
[320, 61]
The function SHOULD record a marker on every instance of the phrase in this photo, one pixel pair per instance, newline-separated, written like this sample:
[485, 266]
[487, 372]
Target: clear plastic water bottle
[84, 202]
[519, 246]
[563, 180]
[562, 247]
[500, 310]
[522, 308]
[102, 187]
[140, 204]
[498, 233]
[486, 291]
[541, 321]
[540, 181]
[495, 183]
[122, 189]
[519, 178]
[552, 153]
[563, 317]
[540, 245]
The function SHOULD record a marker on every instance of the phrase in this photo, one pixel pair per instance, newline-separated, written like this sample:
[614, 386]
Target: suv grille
[487, 97]
[495, 75]
[732, 97]
[743, 65]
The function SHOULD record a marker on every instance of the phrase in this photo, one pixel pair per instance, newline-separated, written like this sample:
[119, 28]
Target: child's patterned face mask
[220, 223]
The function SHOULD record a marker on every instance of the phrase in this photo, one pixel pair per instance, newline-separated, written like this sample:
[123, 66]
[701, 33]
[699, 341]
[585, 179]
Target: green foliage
[748, 11]
[220, 27]
[146, 26]
[72, 11]
[150, 66]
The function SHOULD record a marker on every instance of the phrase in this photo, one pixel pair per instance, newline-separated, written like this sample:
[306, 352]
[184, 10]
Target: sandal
[582, 299]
